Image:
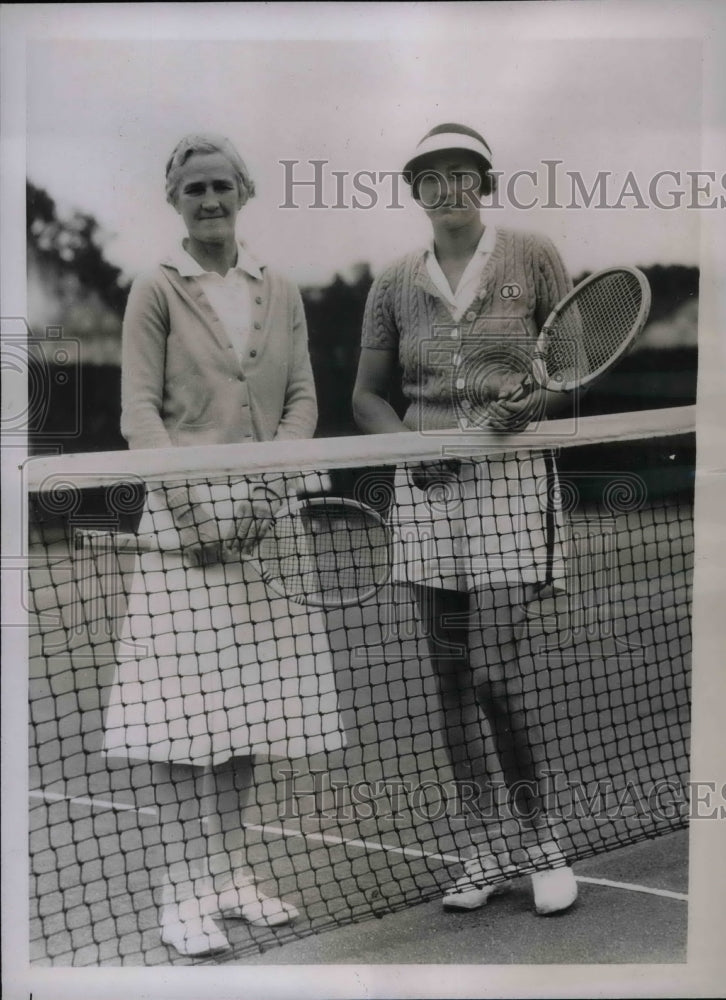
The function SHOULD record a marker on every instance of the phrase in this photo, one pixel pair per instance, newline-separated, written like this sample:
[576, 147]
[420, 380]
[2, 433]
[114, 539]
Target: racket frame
[141, 544]
[539, 372]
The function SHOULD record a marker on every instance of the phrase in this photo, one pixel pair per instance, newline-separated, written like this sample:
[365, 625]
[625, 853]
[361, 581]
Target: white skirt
[210, 665]
[497, 521]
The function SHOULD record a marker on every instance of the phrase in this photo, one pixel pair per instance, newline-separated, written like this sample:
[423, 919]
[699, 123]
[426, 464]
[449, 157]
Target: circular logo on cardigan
[510, 291]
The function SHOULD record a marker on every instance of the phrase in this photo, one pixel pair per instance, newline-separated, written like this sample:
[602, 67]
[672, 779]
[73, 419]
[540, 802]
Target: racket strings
[326, 553]
[593, 327]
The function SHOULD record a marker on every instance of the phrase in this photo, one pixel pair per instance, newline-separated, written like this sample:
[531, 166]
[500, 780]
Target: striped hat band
[449, 140]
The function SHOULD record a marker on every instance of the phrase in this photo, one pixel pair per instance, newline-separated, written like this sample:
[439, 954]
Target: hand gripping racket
[588, 331]
[325, 552]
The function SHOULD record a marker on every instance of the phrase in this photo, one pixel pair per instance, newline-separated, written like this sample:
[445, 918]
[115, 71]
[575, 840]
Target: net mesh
[320, 551]
[516, 691]
[594, 327]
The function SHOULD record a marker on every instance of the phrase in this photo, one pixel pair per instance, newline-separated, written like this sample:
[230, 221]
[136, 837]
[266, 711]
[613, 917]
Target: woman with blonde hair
[214, 351]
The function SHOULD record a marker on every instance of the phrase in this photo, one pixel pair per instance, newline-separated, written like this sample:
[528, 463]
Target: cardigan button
[240, 378]
[471, 316]
[258, 326]
[258, 300]
[253, 354]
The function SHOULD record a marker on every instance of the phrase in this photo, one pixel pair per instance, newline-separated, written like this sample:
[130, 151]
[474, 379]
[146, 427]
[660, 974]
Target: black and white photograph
[362, 499]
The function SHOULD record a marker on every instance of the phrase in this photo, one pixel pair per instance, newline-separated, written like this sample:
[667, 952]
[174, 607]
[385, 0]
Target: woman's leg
[505, 685]
[503, 678]
[177, 795]
[444, 617]
[225, 795]
[225, 792]
[505, 681]
[183, 882]
[449, 618]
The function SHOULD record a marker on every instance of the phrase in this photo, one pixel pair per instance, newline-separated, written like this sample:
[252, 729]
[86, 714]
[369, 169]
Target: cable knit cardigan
[522, 280]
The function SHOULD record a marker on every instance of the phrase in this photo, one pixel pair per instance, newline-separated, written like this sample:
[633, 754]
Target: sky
[104, 114]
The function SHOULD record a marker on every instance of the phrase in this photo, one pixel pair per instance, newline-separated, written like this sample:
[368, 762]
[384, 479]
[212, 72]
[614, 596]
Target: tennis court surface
[374, 828]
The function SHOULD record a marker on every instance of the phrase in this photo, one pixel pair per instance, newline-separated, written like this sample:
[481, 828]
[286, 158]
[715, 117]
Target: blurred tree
[76, 300]
[335, 318]
[73, 247]
[671, 287]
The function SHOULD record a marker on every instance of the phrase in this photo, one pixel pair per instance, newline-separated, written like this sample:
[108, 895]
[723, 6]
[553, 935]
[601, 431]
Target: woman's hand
[253, 518]
[505, 416]
[425, 475]
[508, 415]
[198, 534]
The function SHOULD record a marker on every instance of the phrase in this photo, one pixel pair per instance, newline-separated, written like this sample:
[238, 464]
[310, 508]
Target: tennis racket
[323, 551]
[588, 331]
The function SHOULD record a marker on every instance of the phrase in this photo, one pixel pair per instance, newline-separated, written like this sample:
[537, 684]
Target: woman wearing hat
[213, 670]
[477, 539]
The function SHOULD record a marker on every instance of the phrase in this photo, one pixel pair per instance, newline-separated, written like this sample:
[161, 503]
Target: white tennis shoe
[472, 890]
[185, 927]
[239, 898]
[555, 889]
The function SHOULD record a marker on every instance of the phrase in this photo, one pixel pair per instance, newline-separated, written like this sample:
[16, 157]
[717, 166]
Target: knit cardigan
[522, 280]
[183, 383]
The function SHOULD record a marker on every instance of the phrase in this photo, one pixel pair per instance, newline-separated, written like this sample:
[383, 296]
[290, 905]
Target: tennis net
[375, 770]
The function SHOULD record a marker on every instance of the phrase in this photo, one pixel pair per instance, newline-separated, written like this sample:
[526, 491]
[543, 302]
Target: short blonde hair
[206, 143]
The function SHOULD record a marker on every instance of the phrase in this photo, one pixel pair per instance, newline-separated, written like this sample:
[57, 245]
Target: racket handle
[121, 542]
[126, 542]
[524, 388]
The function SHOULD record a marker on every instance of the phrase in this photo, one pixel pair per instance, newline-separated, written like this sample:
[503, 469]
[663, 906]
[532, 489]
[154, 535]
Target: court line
[94, 803]
[453, 859]
[368, 845]
[633, 888]
[325, 838]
